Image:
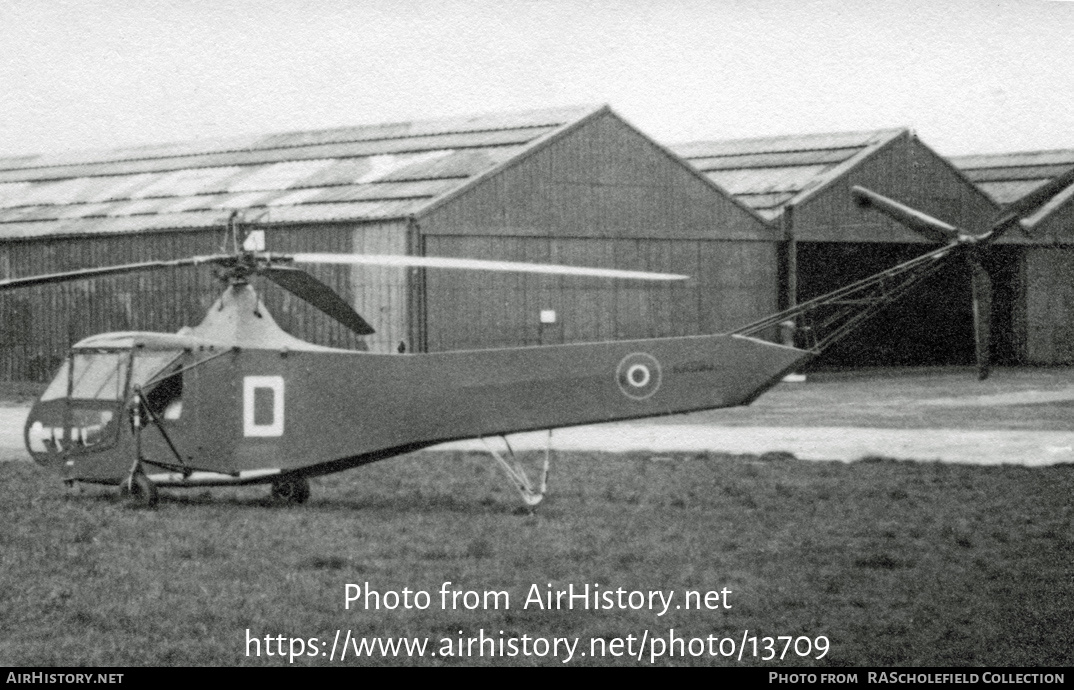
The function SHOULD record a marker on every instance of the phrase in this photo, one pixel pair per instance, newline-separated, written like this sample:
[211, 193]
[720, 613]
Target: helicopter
[236, 400]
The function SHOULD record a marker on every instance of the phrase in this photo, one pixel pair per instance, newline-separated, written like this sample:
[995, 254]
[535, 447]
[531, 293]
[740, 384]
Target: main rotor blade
[305, 286]
[982, 314]
[932, 228]
[480, 265]
[48, 278]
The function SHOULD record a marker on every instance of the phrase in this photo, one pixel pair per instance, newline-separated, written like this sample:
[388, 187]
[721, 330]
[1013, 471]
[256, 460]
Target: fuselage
[237, 400]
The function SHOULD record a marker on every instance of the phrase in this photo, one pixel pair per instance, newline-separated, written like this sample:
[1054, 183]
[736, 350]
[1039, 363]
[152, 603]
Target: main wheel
[291, 491]
[139, 490]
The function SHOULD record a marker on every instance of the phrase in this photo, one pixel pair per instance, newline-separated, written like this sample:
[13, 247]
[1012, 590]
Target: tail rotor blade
[982, 315]
[1018, 210]
[922, 223]
[308, 288]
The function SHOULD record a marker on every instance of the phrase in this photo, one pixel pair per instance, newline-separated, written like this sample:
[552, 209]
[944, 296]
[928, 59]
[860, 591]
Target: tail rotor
[972, 247]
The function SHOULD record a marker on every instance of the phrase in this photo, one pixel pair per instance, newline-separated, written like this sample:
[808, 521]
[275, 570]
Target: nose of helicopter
[57, 431]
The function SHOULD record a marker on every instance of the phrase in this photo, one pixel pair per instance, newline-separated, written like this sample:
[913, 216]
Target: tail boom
[390, 401]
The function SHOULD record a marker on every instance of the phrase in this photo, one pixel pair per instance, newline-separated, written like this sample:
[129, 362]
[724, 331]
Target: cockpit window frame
[121, 361]
[132, 354]
[99, 385]
[69, 367]
[65, 372]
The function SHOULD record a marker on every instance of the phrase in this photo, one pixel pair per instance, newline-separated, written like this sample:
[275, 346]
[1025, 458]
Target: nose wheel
[291, 491]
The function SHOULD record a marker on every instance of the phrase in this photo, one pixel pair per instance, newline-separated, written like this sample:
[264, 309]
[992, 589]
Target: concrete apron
[1030, 448]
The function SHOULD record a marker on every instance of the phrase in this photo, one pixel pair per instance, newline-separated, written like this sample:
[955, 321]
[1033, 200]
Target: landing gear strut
[531, 496]
[291, 491]
[137, 488]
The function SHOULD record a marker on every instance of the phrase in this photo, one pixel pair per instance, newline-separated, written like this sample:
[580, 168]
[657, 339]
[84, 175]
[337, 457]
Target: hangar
[1048, 271]
[573, 186]
[801, 185]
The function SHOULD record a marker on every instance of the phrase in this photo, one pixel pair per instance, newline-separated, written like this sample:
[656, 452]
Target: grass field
[895, 563]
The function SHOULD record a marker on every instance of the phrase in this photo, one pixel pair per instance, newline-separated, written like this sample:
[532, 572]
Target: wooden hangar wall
[1049, 288]
[1049, 307]
[599, 194]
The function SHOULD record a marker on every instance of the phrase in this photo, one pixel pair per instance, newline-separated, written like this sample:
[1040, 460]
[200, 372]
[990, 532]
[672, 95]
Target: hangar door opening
[932, 325]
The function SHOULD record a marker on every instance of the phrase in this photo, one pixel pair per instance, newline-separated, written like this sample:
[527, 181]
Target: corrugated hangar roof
[1007, 177]
[350, 173]
[768, 173]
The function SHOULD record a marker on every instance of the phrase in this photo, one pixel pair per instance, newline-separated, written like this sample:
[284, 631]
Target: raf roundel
[638, 375]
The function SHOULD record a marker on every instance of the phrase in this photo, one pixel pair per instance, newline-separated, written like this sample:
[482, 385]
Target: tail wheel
[292, 491]
[139, 490]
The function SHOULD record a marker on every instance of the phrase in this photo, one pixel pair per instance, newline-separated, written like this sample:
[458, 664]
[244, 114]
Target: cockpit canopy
[81, 408]
[106, 374]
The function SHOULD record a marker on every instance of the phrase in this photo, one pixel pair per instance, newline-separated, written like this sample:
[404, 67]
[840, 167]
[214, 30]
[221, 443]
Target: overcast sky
[968, 75]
